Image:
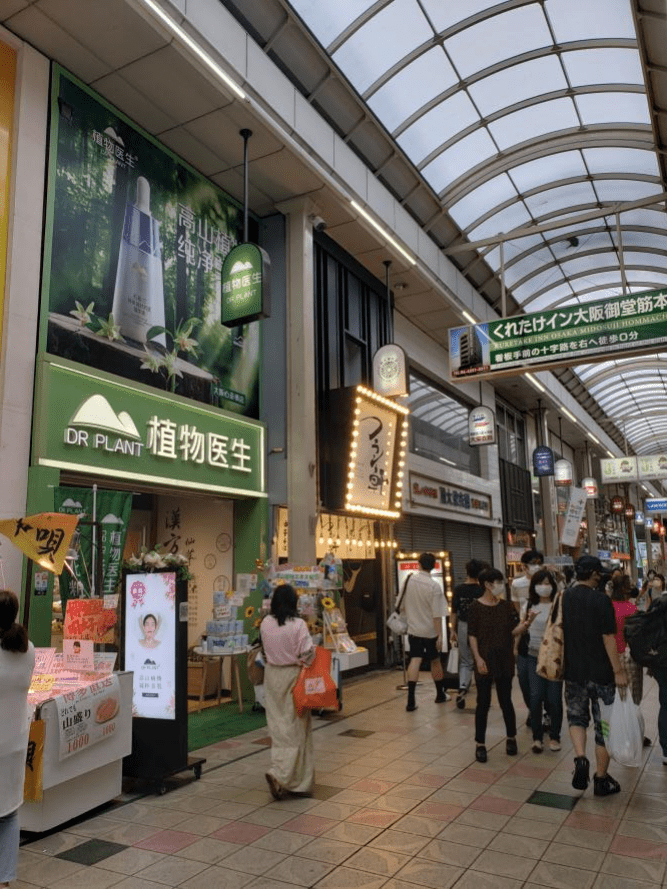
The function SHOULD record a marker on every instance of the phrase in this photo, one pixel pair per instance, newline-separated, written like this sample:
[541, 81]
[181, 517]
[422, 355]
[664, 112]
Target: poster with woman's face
[150, 650]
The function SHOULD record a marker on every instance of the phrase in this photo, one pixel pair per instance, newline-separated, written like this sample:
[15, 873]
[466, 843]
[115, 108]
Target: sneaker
[461, 698]
[605, 786]
[510, 747]
[441, 698]
[581, 777]
[554, 745]
[537, 747]
[647, 742]
[480, 753]
[410, 706]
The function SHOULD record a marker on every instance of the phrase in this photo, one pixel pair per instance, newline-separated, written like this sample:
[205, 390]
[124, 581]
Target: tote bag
[397, 622]
[550, 657]
[315, 689]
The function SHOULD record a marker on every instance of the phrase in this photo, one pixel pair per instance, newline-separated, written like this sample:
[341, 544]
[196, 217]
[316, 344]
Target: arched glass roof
[534, 123]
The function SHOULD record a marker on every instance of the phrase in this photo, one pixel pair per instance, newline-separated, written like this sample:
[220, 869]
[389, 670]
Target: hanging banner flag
[543, 461]
[575, 513]
[44, 538]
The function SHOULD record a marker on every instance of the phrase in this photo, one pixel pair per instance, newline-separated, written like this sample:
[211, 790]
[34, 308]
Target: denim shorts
[581, 698]
[423, 647]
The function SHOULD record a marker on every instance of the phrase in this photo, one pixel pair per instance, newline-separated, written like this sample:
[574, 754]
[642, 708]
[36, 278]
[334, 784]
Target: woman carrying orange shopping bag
[287, 647]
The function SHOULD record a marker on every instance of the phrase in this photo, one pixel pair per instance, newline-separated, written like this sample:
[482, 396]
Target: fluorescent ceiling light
[569, 415]
[376, 225]
[593, 438]
[185, 38]
[611, 455]
[536, 382]
[469, 317]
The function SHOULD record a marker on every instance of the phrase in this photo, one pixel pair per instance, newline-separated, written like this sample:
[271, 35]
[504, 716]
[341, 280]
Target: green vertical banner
[112, 510]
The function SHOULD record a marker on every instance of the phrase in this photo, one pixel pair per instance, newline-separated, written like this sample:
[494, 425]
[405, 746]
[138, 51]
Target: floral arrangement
[152, 560]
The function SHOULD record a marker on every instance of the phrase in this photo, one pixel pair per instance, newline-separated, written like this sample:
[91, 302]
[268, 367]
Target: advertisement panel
[617, 326]
[135, 242]
[618, 469]
[150, 643]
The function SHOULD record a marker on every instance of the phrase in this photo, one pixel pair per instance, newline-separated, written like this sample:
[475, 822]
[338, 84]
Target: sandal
[276, 788]
[480, 753]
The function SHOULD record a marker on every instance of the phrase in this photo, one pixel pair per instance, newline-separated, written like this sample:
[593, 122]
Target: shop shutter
[465, 542]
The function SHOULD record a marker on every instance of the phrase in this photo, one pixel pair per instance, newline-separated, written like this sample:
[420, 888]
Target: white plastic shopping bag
[623, 730]
[453, 659]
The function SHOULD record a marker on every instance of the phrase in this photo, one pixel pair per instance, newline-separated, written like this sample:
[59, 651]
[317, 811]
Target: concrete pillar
[302, 495]
[549, 505]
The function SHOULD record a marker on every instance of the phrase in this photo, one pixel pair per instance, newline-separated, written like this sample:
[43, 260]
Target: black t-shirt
[464, 594]
[588, 615]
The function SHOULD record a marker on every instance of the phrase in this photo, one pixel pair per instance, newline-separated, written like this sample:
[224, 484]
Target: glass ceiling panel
[650, 217]
[603, 65]
[491, 194]
[507, 220]
[555, 295]
[549, 278]
[643, 239]
[444, 15]
[533, 264]
[382, 41]
[512, 249]
[327, 20]
[530, 123]
[577, 194]
[561, 165]
[422, 80]
[658, 281]
[517, 83]
[590, 20]
[614, 190]
[457, 160]
[603, 107]
[438, 126]
[498, 38]
[626, 160]
[582, 264]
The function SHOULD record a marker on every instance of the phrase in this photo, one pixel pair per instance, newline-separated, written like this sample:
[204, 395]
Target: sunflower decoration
[257, 623]
[328, 603]
[250, 610]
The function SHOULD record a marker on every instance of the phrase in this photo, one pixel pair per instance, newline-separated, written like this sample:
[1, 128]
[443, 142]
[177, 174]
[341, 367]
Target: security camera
[318, 223]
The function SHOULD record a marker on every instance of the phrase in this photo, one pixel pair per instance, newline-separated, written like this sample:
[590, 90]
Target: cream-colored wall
[205, 535]
[17, 364]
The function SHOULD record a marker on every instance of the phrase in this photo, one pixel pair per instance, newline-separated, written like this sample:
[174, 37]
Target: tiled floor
[400, 802]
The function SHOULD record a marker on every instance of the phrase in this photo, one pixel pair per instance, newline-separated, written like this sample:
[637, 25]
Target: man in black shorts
[593, 669]
[424, 606]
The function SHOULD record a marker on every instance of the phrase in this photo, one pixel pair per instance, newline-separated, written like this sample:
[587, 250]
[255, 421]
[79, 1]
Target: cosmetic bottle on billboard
[138, 299]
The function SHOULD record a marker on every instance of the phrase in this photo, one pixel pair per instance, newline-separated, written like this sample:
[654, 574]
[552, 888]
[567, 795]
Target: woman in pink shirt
[621, 588]
[287, 647]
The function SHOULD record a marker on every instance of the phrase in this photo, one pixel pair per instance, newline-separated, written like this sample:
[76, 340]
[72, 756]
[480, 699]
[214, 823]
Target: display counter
[87, 778]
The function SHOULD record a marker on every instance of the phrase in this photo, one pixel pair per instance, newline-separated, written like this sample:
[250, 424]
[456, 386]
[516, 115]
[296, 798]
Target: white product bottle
[138, 299]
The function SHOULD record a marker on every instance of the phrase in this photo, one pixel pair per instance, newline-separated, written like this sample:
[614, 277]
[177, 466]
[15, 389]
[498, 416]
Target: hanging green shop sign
[245, 285]
[613, 327]
[97, 424]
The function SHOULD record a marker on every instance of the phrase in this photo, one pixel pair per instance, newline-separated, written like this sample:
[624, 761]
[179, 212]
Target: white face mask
[533, 569]
[498, 588]
[543, 589]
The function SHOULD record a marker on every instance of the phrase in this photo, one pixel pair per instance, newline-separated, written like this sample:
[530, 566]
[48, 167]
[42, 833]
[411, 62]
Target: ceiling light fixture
[376, 225]
[535, 382]
[185, 38]
[469, 317]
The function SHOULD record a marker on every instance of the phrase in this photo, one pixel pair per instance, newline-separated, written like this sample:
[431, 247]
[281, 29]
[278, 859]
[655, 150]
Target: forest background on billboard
[134, 246]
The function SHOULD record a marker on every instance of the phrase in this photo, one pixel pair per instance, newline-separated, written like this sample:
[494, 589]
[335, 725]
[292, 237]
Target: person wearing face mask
[493, 624]
[657, 587]
[531, 562]
[543, 588]
[593, 669]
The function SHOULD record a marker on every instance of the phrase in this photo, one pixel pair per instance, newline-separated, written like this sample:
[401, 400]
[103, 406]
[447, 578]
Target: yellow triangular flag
[44, 538]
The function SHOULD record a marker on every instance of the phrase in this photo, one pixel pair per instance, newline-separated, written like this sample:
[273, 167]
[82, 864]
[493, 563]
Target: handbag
[453, 659]
[315, 688]
[255, 665]
[397, 623]
[551, 656]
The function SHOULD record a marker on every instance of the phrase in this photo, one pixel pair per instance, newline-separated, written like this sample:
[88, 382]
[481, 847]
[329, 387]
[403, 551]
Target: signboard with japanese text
[87, 715]
[575, 512]
[543, 461]
[150, 648]
[444, 496]
[481, 426]
[88, 619]
[135, 241]
[390, 371]
[246, 285]
[105, 426]
[618, 469]
[616, 326]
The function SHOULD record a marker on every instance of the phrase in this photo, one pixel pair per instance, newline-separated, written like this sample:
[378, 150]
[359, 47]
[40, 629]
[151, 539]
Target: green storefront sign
[245, 285]
[575, 334]
[96, 423]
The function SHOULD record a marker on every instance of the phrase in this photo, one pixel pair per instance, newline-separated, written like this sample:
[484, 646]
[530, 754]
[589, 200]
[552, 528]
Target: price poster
[150, 643]
[87, 715]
